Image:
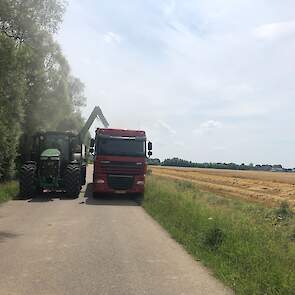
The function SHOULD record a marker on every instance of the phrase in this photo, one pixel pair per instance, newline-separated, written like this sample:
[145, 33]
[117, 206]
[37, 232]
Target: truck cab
[120, 161]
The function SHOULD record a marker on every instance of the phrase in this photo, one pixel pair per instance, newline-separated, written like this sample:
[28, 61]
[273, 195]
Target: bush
[8, 190]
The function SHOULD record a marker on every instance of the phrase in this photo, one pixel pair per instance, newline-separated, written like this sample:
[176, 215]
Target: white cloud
[187, 62]
[111, 37]
[207, 127]
[275, 31]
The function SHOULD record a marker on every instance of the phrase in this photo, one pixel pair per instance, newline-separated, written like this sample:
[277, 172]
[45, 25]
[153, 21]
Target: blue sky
[208, 80]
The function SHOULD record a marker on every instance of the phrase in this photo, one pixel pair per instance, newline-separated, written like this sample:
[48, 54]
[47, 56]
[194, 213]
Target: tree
[76, 92]
[24, 20]
[37, 90]
[12, 91]
[54, 96]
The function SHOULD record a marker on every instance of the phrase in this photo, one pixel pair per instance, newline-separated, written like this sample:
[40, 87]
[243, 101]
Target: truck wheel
[138, 198]
[72, 179]
[27, 181]
[96, 195]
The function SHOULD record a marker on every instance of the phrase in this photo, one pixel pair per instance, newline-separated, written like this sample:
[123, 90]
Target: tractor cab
[61, 141]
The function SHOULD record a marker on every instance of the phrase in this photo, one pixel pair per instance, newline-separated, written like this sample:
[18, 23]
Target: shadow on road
[49, 197]
[44, 197]
[108, 199]
[6, 235]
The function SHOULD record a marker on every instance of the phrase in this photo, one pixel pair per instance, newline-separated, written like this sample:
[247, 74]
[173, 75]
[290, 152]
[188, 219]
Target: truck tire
[139, 198]
[72, 181]
[27, 181]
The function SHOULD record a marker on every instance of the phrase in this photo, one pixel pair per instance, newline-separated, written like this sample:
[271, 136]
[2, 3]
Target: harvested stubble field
[267, 187]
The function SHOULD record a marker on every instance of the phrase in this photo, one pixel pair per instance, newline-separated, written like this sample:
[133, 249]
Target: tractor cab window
[77, 149]
[55, 141]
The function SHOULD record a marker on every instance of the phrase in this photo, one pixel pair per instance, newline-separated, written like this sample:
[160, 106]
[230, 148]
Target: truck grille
[129, 168]
[120, 182]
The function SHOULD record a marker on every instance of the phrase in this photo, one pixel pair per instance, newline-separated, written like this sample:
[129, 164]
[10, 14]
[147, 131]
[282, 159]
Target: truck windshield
[121, 147]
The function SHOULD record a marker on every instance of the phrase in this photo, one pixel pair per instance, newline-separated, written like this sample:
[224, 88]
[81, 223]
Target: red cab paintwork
[119, 174]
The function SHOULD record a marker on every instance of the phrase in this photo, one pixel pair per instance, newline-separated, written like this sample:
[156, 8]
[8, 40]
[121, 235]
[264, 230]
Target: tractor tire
[27, 181]
[72, 181]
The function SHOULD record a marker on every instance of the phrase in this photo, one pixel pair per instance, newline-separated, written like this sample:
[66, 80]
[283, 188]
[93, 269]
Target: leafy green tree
[53, 96]
[37, 90]
[23, 20]
[12, 90]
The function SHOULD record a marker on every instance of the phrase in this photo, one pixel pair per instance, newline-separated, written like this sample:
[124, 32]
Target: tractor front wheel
[72, 181]
[27, 181]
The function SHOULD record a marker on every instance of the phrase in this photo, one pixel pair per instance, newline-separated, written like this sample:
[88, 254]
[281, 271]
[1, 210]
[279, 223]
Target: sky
[208, 80]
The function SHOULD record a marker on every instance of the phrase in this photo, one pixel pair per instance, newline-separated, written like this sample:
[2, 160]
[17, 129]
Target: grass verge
[8, 191]
[249, 247]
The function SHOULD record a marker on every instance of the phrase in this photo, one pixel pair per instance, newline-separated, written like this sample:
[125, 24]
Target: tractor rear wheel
[27, 181]
[72, 180]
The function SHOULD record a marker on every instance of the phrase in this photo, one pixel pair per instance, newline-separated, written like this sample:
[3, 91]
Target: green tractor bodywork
[50, 161]
[58, 161]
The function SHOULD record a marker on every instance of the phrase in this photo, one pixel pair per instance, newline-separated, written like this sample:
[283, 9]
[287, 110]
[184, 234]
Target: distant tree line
[37, 90]
[176, 162]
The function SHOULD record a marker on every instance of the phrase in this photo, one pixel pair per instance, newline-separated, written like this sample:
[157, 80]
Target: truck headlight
[100, 181]
[140, 182]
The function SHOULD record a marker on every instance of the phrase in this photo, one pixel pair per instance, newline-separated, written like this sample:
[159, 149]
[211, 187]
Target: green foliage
[151, 161]
[284, 212]
[176, 162]
[37, 90]
[149, 172]
[12, 93]
[24, 20]
[214, 238]
[8, 190]
[242, 243]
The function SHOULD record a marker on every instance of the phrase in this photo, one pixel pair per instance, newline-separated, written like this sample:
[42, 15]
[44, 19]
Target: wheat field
[267, 187]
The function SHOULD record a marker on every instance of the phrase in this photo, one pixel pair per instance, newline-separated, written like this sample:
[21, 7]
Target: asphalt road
[51, 245]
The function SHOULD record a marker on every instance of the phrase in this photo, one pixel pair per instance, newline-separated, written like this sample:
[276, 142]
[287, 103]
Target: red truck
[120, 161]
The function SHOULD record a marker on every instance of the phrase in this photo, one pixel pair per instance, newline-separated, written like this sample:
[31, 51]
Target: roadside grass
[249, 247]
[8, 191]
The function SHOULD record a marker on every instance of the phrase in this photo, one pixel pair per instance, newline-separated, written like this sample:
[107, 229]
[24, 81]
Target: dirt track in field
[267, 187]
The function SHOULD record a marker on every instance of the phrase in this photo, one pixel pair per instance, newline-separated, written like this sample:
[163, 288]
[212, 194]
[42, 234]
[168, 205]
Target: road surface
[51, 245]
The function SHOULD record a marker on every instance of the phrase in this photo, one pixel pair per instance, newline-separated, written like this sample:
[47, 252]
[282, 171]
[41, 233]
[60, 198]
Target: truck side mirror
[150, 153]
[92, 142]
[150, 146]
[91, 150]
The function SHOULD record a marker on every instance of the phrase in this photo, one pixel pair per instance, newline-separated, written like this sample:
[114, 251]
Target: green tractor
[58, 161]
